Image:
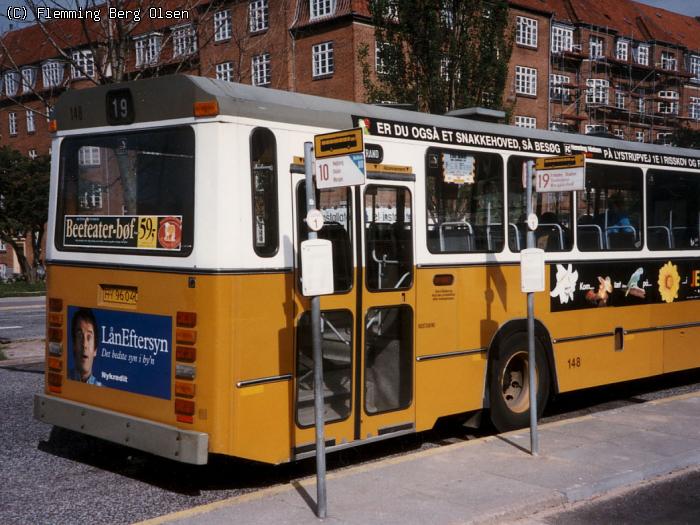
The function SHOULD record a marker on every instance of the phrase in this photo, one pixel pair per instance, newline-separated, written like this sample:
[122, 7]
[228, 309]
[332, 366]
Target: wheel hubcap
[515, 383]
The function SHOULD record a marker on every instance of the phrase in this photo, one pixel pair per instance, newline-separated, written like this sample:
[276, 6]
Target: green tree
[439, 55]
[685, 137]
[24, 201]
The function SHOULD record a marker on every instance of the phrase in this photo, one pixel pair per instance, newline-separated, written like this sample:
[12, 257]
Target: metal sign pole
[531, 362]
[317, 354]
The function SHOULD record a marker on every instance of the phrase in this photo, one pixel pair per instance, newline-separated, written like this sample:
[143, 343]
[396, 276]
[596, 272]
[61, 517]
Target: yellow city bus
[175, 319]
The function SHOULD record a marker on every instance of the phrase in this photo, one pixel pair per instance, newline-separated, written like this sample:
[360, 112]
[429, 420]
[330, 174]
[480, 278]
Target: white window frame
[642, 55]
[525, 80]
[525, 122]
[694, 108]
[562, 39]
[668, 61]
[598, 91]
[694, 67]
[322, 59]
[148, 49]
[32, 154]
[525, 31]
[85, 62]
[225, 71]
[619, 133]
[12, 123]
[641, 105]
[184, 40]
[261, 70]
[668, 106]
[663, 136]
[31, 126]
[91, 199]
[622, 48]
[379, 65]
[555, 86]
[11, 81]
[620, 100]
[89, 156]
[319, 8]
[595, 128]
[52, 73]
[222, 25]
[557, 125]
[639, 136]
[596, 47]
[258, 15]
[28, 76]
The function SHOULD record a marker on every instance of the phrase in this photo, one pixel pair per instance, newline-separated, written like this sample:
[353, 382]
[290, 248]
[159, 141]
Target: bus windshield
[127, 193]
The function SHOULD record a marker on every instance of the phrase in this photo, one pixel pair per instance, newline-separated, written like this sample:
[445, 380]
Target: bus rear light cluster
[54, 361]
[185, 369]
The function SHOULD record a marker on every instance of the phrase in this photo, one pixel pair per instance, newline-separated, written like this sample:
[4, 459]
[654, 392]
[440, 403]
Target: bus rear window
[127, 193]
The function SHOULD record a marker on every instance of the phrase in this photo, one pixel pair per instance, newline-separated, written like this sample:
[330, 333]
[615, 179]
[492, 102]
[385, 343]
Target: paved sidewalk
[490, 480]
[22, 352]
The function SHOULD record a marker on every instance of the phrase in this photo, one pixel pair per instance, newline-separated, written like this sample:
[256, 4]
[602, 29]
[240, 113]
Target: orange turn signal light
[55, 305]
[184, 389]
[55, 318]
[55, 363]
[53, 125]
[188, 354]
[186, 337]
[209, 108]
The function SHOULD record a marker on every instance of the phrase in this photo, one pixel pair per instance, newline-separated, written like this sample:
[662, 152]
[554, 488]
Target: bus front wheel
[509, 383]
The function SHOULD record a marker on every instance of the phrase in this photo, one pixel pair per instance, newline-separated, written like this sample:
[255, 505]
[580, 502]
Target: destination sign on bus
[147, 232]
[564, 173]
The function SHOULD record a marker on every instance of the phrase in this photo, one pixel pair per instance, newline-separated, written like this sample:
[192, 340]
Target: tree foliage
[439, 55]
[24, 199]
[685, 137]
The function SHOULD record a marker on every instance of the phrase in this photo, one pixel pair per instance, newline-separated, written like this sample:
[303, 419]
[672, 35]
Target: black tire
[510, 397]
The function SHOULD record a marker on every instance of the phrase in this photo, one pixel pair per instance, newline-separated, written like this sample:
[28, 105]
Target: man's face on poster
[84, 348]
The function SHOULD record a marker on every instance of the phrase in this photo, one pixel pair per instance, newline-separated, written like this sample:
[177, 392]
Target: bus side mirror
[316, 267]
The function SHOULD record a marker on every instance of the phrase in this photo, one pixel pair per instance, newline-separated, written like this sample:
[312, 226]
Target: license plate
[120, 294]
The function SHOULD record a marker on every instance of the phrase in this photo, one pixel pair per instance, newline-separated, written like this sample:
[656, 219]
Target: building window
[32, 154]
[622, 50]
[148, 50]
[445, 69]
[322, 8]
[668, 61]
[525, 122]
[526, 31]
[322, 55]
[525, 80]
[642, 55]
[28, 79]
[595, 46]
[89, 156]
[694, 108]
[184, 40]
[619, 133]
[11, 83]
[694, 67]
[639, 136]
[52, 74]
[222, 25]
[258, 15]
[597, 92]
[261, 70]
[379, 62]
[556, 91]
[90, 198]
[83, 64]
[641, 105]
[224, 71]
[595, 128]
[664, 138]
[31, 127]
[670, 105]
[619, 100]
[562, 39]
[12, 120]
[559, 126]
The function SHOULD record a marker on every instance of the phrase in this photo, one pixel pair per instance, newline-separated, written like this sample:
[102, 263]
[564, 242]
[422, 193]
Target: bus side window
[610, 209]
[553, 209]
[673, 210]
[464, 201]
[263, 169]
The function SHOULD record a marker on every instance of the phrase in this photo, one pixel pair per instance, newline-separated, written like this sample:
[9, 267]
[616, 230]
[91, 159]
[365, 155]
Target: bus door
[367, 324]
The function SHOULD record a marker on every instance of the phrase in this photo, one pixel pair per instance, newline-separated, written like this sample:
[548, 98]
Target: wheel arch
[520, 325]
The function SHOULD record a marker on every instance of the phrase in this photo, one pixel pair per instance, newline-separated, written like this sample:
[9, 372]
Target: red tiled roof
[342, 8]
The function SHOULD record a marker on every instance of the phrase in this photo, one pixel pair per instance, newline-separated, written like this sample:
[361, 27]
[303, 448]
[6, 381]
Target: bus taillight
[54, 360]
[55, 382]
[185, 370]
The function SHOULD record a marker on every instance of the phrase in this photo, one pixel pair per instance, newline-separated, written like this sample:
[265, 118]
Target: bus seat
[622, 240]
[590, 237]
[659, 238]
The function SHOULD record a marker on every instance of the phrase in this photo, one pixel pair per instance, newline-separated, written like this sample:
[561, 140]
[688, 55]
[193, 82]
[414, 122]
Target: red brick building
[577, 65]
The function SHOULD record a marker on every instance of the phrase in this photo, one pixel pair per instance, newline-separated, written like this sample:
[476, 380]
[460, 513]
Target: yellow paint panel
[681, 349]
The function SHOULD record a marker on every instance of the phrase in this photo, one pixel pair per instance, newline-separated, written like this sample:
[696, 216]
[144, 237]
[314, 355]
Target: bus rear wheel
[509, 383]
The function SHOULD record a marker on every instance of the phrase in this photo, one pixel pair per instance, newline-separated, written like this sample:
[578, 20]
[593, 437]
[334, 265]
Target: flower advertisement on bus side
[626, 283]
[123, 350]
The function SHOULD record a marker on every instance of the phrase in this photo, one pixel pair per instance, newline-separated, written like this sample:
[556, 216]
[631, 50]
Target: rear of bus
[127, 312]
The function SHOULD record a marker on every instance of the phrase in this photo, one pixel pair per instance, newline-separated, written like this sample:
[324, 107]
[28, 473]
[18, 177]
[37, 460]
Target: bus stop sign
[565, 173]
[340, 158]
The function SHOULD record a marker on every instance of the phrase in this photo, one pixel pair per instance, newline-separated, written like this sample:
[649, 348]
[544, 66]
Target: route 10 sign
[340, 158]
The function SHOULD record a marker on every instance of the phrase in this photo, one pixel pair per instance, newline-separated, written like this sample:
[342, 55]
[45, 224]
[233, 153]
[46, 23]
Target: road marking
[9, 327]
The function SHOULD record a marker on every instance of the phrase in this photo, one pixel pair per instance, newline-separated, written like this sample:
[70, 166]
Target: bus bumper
[170, 442]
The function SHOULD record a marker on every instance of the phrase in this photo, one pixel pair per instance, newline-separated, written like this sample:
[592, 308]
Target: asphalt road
[22, 318]
[50, 475]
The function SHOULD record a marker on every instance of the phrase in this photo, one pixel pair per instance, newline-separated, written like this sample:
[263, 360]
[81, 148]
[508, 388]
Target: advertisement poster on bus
[143, 232]
[575, 286]
[123, 350]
